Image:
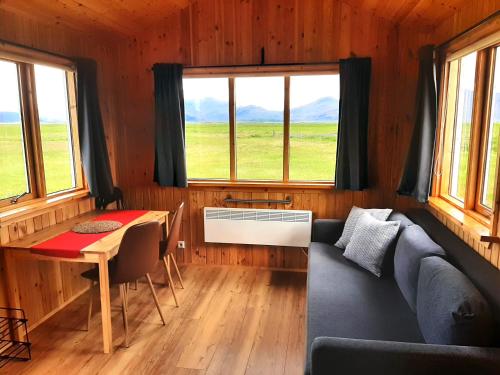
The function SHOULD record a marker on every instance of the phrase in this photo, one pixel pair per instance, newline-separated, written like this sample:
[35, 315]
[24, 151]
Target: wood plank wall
[46, 286]
[410, 40]
[464, 18]
[43, 286]
[233, 32]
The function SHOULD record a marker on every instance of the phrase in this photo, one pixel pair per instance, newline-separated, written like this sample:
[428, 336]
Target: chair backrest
[117, 197]
[138, 252]
[175, 230]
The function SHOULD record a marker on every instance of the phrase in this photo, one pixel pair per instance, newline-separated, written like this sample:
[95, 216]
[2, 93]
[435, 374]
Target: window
[493, 134]
[314, 113]
[55, 128]
[470, 130]
[38, 132]
[270, 126]
[259, 127]
[14, 179]
[207, 127]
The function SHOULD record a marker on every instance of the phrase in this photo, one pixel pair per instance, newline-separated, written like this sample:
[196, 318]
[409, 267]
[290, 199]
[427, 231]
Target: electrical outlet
[181, 244]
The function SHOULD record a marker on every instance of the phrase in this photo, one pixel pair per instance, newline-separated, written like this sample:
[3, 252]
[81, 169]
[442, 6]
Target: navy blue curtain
[352, 147]
[93, 149]
[417, 175]
[170, 160]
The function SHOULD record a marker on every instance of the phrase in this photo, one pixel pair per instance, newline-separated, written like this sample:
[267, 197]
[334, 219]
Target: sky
[9, 97]
[265, 92]
[50, 85]
[51, 92]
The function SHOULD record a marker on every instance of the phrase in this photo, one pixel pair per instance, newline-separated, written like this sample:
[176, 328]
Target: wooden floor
[232, 320]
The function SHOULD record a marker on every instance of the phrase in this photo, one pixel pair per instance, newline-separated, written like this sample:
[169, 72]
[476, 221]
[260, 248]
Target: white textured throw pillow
[356, 212]
[370, 241]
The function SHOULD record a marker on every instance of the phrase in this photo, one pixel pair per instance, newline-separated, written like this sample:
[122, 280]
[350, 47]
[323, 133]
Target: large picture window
[39, 153]
[271, 127]
[470, 130]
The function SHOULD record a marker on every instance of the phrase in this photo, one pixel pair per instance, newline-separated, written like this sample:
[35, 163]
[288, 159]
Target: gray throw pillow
[370, 241]
[450, 310]
[352, 219]
[413, 245]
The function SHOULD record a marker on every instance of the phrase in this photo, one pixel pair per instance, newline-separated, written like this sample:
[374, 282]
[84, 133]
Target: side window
[55, 128]
[14, 171]
[39, 146]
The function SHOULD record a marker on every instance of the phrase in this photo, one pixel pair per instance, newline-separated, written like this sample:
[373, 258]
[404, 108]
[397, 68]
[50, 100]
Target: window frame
[483, 90]
[285, 71]
[26, 59]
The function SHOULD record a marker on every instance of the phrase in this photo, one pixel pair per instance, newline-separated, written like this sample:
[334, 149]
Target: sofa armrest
[327, 230]
[332, 356]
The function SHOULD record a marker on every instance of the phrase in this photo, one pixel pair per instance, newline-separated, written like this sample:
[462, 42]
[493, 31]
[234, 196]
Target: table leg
[107, 335]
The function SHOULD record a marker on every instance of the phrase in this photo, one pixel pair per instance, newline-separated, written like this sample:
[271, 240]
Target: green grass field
[57, 159]
[259, 154]
[463, 168]
[259, 150]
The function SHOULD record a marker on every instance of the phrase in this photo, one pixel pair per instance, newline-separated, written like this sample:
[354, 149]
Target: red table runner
[69, 244]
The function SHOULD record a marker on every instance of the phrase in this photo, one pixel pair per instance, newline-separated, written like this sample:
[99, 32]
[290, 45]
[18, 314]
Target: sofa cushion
[352, 219]
[344, 300]
[481, 272]
[450, 310]
[404, 222]
[370, 241]
[413, 245]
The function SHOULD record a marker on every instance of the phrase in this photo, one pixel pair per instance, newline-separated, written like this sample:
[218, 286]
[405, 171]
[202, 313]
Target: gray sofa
[358, 323]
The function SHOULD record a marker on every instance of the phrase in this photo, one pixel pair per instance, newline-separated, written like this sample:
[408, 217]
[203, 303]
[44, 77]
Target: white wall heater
[258, 226]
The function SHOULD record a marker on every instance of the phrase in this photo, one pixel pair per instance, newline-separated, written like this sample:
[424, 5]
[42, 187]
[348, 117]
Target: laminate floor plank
[231, 320]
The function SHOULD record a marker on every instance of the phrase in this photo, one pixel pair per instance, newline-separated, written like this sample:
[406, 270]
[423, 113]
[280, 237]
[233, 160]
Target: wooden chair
[137, 257]
[168, 247]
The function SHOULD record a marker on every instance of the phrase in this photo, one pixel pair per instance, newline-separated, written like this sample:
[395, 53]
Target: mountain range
[211, 110]
[14, 117]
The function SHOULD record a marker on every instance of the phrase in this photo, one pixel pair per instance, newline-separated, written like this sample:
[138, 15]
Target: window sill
[259, 184]
[9, 213]
[470, 222]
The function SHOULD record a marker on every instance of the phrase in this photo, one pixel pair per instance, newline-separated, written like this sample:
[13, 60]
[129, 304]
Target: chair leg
[123, 296]
[170, 282]
[176, 270]
[91, 294]
[155, 297]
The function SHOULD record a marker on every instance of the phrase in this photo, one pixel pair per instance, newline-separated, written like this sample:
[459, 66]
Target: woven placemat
[92, 227]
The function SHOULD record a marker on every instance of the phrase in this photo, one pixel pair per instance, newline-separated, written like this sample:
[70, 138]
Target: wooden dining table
[98, 252]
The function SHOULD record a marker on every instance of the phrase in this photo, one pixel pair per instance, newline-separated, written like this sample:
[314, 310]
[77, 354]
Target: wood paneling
[97, 16]
[133, 16]
[233, 32]
[414, 13]
[45, 286]
[56, 39]
[321, 202]
[410, 40]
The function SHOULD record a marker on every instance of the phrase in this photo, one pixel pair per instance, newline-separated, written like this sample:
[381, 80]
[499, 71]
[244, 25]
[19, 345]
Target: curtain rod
[470, 29]
[18, 45]
[260, 65]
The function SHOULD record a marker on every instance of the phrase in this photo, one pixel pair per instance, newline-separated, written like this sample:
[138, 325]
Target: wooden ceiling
[130, 17]
[427, 13]
[124, 17]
